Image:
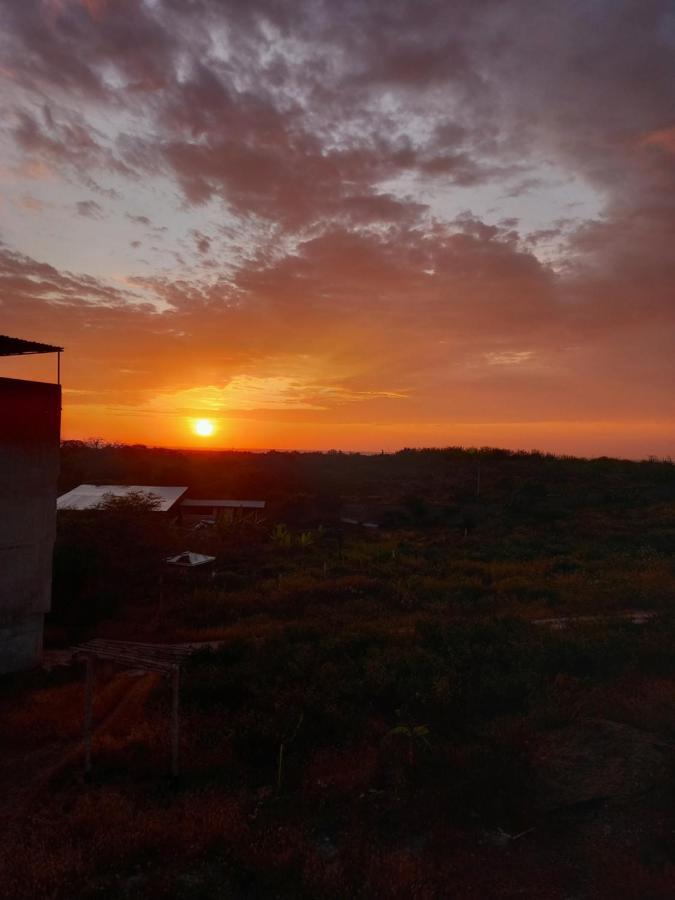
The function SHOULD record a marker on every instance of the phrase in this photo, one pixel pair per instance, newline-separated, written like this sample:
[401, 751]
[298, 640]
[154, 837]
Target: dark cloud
[202, 242]
[71, 44]
[23, 280]
[71, 144]
[139, 220]
[90, 209]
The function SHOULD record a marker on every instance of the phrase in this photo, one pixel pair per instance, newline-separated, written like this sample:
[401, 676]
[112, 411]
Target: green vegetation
[382, 712]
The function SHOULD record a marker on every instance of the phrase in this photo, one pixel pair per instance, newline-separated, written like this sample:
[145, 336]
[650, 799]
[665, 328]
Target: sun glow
[203, 427]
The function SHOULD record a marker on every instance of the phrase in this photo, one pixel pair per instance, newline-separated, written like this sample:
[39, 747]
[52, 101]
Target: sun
[203, 427]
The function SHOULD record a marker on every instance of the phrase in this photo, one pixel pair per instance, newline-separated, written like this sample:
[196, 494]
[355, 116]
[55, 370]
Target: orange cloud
[664, 138]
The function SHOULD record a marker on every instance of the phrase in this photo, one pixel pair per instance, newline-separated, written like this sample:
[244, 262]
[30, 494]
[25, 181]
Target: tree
[107, 555]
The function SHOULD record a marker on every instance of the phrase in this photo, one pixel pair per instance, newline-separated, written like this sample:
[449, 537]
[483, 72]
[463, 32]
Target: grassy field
[384, 714]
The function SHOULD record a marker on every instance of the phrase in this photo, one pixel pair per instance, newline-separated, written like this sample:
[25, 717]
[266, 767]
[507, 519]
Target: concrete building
[30, 424]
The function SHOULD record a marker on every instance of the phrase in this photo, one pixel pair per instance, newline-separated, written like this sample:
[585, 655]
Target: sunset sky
[357, 224]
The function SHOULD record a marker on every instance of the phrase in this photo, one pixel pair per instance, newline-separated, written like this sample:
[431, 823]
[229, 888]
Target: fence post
[175, 686]
[88, 704]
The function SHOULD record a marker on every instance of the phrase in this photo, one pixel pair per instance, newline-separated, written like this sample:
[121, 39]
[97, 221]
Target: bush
[108, 555]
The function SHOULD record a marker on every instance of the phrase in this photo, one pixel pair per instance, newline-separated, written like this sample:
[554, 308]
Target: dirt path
[25, 776]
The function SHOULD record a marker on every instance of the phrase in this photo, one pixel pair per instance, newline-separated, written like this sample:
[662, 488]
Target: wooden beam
[164, 658]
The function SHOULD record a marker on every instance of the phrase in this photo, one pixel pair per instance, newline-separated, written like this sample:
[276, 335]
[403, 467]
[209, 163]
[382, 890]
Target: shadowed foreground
[382, 715]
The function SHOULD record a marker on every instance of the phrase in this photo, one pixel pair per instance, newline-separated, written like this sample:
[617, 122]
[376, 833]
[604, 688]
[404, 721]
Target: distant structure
[365, 515]
[189, 560]
[30, 430]
[171, 499]
[209, 510]
[89, 496]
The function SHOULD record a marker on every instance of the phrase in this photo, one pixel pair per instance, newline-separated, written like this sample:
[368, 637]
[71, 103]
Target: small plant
[416, 735]
[306, 539]
[282, 746]
[282, 536]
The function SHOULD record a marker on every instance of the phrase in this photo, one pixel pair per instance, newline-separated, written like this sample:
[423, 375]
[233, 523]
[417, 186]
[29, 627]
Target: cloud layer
[358, 224]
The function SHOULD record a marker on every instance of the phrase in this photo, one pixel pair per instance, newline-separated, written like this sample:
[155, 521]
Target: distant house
[89, 496]
[209, 510]
[171, 499]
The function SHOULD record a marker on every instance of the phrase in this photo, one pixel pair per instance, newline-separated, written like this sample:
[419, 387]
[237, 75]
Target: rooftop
[89, 496]
[11, 346]
[190, 560]
[225, 504]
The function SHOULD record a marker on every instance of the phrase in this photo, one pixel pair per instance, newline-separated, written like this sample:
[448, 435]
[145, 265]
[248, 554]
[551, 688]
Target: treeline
[451, 473]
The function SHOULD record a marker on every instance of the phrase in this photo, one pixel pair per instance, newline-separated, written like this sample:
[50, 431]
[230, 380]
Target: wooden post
[88, 704]
[175, 685]
[160, 598]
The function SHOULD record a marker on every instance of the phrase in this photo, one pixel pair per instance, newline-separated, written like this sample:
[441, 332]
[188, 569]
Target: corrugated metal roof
[11, 346]
[247, 504]
[190, 560]
[89, 496]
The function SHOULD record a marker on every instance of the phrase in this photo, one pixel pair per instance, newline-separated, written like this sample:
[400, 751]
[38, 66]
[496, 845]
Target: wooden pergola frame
[163, 658]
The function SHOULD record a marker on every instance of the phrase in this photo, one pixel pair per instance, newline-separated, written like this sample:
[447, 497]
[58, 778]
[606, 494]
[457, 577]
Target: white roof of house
[89, 496]
[248, 504]
[189, 559]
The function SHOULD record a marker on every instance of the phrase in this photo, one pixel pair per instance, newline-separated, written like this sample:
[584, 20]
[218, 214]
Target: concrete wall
[30, 420]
